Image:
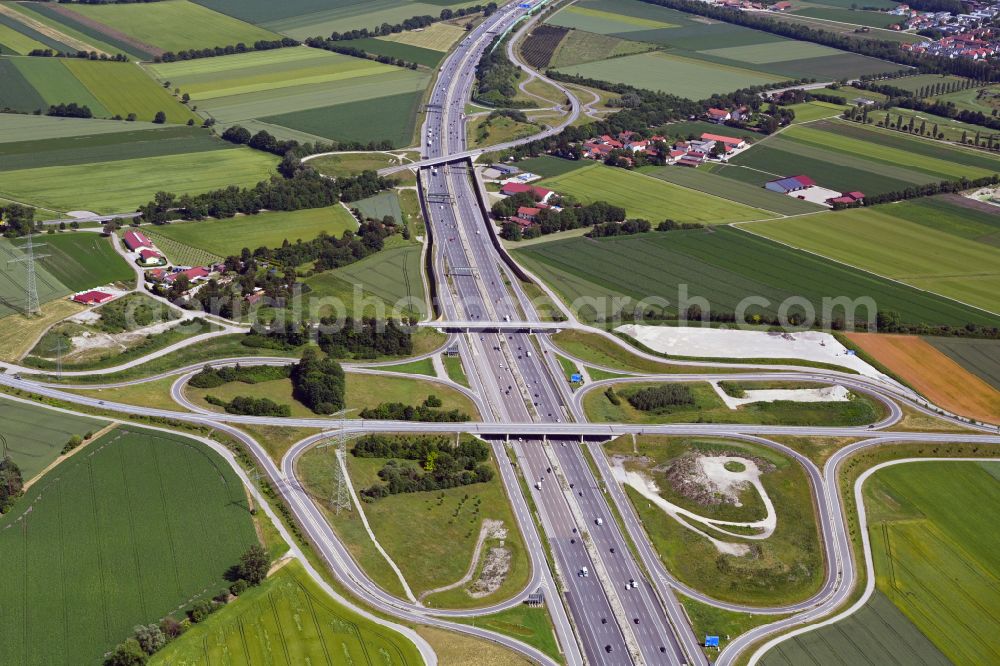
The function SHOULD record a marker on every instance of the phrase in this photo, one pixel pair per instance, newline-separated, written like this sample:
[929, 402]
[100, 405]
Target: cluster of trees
[497, 77]
[441, 464]
[262, 140]
[250, 406]
[215, 51]
[427, 411]
[890, 321]
[626, 228]
[148, 639]
[318, 383]
[210, 377]
[366, 338]
[413, 23]
[17, 220]
[74, 441]
[875, 48]
[661, 396]
[355, 52]
[11, 483]
[304, 189]
[550, 221]
[84, 55]
[328, 251]
[71, 110]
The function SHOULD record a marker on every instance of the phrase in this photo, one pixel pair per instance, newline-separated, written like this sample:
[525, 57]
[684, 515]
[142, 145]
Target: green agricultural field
[758, 197]
[649, 198]
[762, 54]
[131, 141]
[854, 17]
[578, 47]
[225, 76]
[724, 266]
[785, 567]
[550, 167]
[389, 278]
[321, 19]
[55, 83]
[846, 156]
[877, 633]
[123, 88]
[387, 47]
[227, 237]
[687, 77]
[980, 357]
[443, 526]
[181, 254]
[35, 435]
[85, 186]
[288, 620]
[13, 279]
[912, 242]
[333, 96]
[172, 25]
[16, 127]
[985, 100]
[920, 525]
[17, 93]
[82, 260]
[918, 81]
[14, 42]
[380, 205]
[351, 164]
[924, 124]
[531, 625]
[391, 119]
[46, 18]
[809, 111]
[709, 408]
[139, 525]
[602, 21]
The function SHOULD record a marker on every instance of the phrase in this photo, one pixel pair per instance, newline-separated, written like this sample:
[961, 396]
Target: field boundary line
[891, 132]
[736, 225]
[48, 468]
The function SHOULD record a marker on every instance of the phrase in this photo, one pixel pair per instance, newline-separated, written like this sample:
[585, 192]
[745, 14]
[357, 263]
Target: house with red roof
[93, 297]
[134, 240]
[718, 115]
[725, 141]
[148, 257]
[512, 188]
[192, 274]
[848, 198]
[528, 212]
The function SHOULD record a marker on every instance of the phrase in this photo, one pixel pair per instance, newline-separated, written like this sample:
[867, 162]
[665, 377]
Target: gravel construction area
[825, 394]
[730, 343]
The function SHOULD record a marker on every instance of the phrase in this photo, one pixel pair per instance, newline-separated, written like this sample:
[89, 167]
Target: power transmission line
[31, 287]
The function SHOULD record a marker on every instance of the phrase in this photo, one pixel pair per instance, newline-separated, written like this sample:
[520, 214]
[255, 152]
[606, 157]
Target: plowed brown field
[940, 379]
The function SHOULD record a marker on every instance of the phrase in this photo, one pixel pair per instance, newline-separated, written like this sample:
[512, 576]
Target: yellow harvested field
[436, 37]
[940, 379]
[20, 333]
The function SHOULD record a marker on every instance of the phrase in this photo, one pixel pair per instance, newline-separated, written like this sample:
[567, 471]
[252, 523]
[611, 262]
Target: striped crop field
[928, 243]
[725, 265]
[845, 156]
[138, 525]
[649, 198]
[286, 621]
[169, 25]
[265, 85]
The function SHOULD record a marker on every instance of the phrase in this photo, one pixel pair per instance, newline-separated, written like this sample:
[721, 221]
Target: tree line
[427, 411]
[215, 51]
[441, 464]
[210, 377]
[83, 55]
[247, 405]
[355, 52]
[367, 338]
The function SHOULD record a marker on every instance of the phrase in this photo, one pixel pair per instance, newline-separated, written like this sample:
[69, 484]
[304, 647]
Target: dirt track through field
[49, 31]
[940, 379]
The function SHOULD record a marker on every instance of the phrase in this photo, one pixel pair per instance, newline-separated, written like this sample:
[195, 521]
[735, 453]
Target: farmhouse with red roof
[135, 240]
[93, 297]
[541, 193]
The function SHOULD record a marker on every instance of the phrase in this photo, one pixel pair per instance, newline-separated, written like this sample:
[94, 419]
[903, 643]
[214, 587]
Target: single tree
[254, 564]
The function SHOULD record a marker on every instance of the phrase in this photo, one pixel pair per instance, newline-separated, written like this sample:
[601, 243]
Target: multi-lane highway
[610, 597]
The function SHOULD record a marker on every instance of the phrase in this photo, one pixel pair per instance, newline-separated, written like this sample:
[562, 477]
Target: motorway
[535, 425]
